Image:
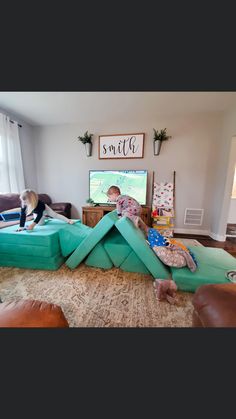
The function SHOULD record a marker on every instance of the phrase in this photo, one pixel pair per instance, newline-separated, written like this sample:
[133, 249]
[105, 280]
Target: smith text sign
[121, 146]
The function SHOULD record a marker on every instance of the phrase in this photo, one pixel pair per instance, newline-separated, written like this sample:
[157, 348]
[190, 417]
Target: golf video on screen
[130, 182]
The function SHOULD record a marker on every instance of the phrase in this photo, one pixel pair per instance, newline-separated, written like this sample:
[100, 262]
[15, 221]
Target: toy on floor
[165, 289]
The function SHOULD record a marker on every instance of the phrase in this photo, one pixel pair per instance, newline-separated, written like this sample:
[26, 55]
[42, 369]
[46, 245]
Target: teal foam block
[97, 234]
[117, 247]
[43, 239]
[29, 250]
[133, 264]
[98, 257]
[32, 262]
[38, 250]
[71, 236]
[41, 235]
[213, 264]
[137, 242]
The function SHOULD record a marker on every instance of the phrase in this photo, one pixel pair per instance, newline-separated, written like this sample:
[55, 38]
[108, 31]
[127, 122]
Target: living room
[201, 152]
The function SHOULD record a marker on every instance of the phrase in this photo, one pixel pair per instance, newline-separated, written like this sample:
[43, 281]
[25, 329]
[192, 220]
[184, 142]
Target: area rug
[94, 297]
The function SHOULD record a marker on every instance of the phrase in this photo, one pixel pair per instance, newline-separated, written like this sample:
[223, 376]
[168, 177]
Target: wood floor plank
[229, 244]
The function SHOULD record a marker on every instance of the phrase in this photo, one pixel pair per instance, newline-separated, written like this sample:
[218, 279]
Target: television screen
[130, 182]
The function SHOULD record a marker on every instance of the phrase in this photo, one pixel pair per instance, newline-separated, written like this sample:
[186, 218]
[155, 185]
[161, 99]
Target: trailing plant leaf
[86, 138]
[89, 201]
[160, 135]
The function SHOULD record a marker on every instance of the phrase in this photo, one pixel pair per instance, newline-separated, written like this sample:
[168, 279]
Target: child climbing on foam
[127, 207]
[30, 203]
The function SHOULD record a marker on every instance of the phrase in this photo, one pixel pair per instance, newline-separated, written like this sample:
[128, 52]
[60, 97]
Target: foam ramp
[121, 254]
[117, 247]
[99, 258]
[135, 238]
[87, 245]
[71, 236]
[134, 264]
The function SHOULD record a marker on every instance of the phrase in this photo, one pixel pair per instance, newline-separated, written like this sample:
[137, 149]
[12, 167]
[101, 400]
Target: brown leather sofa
[10, 201]
[31, 313]
[215, 306]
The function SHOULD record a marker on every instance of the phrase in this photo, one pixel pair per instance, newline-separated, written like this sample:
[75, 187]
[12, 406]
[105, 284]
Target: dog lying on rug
[165, 289]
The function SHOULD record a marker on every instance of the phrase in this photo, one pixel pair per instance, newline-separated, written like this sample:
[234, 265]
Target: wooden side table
[92, 215]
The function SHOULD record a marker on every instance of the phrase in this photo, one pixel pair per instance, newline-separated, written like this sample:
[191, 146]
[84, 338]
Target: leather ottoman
[215, 306]
[31, 313]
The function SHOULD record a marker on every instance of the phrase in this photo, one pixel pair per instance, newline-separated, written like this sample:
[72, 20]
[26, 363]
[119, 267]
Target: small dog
[165, 290]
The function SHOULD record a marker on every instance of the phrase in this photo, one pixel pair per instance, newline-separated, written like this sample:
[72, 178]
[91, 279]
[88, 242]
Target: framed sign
[121, 146]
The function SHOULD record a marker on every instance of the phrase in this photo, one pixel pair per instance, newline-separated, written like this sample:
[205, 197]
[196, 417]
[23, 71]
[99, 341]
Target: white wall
[225, 160]
[63, 168]
[232, 211]
[26, 135]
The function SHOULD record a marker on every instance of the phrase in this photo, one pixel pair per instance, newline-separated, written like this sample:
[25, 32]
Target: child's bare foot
[71, 222]
[143, 226]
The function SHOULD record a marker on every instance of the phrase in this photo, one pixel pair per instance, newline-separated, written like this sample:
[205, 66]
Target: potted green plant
[90, 202]
[87, 140]
[159, 136]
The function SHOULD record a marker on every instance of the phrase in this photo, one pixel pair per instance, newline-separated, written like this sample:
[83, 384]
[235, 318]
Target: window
[11, 168]
[1, 166]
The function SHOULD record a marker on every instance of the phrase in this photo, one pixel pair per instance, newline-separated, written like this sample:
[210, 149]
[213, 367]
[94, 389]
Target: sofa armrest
[215, 305]
[31, 313]
[62, 207]
[196, 321]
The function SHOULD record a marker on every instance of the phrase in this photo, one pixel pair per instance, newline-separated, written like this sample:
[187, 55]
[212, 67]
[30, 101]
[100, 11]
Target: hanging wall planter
[156, 147]
[88, 147]
[157, 140]
[87, 140]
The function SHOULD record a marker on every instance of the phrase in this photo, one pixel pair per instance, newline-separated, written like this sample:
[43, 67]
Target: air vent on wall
[193, 216]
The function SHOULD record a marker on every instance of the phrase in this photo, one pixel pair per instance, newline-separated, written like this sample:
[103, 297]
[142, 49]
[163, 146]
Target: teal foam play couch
[117, 242]
[112, 242]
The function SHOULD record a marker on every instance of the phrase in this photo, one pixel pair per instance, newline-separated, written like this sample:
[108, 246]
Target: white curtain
[11, 167]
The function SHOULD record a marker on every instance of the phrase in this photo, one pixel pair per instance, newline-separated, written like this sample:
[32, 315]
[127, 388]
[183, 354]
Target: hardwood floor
[229, 244]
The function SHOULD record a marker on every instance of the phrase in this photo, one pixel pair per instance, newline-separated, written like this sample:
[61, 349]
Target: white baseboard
[217, 237]
[191, 231]
[201, 232]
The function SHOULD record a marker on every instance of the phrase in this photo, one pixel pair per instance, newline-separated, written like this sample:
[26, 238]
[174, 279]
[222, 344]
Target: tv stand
[107, 205]
[92, 215]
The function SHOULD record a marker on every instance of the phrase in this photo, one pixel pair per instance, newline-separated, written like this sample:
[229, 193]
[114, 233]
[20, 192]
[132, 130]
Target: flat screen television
[130, 182]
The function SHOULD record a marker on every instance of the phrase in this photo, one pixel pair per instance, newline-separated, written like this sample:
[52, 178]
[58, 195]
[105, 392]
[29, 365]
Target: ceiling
[53, 108]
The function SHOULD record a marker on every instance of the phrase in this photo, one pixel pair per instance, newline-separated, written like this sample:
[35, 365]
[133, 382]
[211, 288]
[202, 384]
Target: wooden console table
[92, 215]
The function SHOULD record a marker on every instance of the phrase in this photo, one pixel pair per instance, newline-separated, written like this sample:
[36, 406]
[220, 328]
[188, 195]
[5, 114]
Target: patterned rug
[93, 297]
